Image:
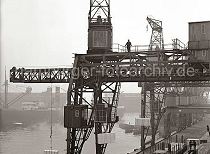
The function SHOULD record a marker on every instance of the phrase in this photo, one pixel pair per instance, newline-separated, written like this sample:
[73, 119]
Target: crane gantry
[100, 72]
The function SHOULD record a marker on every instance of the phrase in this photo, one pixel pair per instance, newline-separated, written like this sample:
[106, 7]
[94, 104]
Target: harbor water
[36, 138]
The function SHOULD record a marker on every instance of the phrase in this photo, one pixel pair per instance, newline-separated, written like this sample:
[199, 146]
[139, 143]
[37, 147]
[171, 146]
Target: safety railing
[177, 44]
[138, 48]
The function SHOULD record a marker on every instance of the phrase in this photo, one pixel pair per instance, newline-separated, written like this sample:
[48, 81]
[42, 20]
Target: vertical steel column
[68, 139]
[143, 112]
[98, 125]
[152, 111]
[167, 123]
[73, 139]
[71, 132]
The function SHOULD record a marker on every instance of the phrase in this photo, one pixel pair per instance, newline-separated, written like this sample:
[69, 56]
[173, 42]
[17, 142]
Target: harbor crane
[156, 40]
[101, 71]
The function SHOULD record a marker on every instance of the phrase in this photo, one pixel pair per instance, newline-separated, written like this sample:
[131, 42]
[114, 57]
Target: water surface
[35, 139]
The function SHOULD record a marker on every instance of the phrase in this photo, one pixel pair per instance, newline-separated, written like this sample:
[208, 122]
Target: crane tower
[156, 40]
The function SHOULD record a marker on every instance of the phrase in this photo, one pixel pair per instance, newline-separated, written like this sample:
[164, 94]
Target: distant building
[30, 106]
[15, 100]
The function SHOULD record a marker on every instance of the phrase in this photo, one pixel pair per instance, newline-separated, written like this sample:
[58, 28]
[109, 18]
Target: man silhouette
[128, 45]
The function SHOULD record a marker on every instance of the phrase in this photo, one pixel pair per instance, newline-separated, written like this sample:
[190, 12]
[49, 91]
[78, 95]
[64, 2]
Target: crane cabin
[99, 27]
[199, 40]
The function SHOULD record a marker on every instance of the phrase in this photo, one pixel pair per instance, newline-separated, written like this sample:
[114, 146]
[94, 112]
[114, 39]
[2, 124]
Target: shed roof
[198, 22]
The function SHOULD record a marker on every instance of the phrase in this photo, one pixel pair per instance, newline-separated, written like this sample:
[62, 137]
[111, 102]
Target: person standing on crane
[128, 45]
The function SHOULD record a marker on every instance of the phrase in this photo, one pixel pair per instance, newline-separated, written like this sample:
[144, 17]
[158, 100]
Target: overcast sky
[43, 33]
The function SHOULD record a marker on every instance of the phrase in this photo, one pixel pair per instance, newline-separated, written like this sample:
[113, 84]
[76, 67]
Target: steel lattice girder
[122, 67]
[76, 96]
[99, 6]
[153, 101]
[48, 75]
[132, 68]
[81, 135]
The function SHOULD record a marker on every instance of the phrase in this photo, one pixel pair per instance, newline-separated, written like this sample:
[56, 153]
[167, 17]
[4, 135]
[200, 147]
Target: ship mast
[6, 91]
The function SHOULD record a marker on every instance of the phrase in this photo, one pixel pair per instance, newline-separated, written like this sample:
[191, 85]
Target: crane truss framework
[156, 40]
[152, 106]
[101, 74]
[63, 75]
[99, 7]
[104, 119]
[76, 137]
[133, 68]
[122, 67]
[48, 75]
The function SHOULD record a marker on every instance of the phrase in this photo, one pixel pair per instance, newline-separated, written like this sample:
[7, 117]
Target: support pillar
[143, 112]
[167, 123]
[152, 111]
[98, 125]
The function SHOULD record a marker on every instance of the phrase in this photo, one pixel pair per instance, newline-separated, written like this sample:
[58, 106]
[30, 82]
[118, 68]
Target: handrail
[176, 45]
[137, 48]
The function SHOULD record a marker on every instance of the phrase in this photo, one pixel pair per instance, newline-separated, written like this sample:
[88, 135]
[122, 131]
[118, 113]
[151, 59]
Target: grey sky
[47, 32]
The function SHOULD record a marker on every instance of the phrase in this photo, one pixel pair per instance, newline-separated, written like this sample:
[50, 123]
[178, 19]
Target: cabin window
[204, 53]
[203, 30]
